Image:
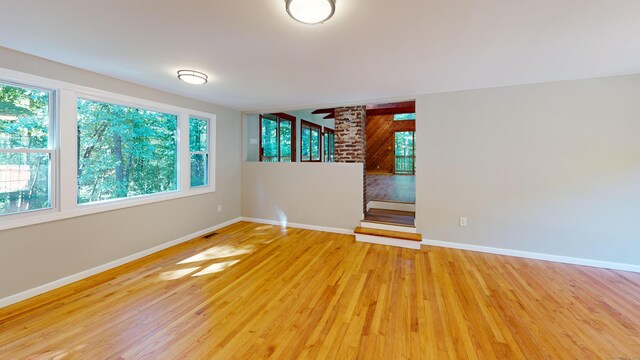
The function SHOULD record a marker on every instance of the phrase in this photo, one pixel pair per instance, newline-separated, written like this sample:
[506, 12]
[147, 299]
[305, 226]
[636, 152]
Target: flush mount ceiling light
[192, 77]
[311, 11]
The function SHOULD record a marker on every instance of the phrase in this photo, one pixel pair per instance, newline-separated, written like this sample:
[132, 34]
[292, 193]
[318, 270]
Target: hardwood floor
[258, 291]
[391, 187]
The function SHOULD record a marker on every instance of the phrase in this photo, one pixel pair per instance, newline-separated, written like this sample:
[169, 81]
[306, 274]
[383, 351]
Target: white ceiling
[259, 58]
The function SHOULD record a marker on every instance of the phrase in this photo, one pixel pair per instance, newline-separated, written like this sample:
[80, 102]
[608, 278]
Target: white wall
[320, 194]
[550, 168]
[36, 255]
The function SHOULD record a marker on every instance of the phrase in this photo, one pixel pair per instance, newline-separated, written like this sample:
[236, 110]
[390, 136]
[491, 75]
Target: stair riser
[372, 225]
[391, 206]
[381, 240]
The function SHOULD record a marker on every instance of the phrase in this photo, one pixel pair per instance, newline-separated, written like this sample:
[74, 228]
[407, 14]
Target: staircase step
[381, 225]
[389, 234]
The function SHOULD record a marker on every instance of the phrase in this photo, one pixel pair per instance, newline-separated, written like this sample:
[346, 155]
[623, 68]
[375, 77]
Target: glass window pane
[24, 182]
[124, 152]
[400, 117]
[198, 134]
[332, 142]
[269, 139]
[404, 143]
[285, 140]
[24, 117]
[315, 144]
[305, 145]
[199, 169]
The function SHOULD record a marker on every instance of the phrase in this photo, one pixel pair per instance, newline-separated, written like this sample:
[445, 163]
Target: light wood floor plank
[258, 291]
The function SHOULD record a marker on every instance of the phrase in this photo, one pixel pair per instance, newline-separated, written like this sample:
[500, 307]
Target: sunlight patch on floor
[218, 252]
[216, 268]
[177, 274]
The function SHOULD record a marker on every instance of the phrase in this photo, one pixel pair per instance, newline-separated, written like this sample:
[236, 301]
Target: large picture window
[310, 145]
[199, 151]
[277, 138]
[26, 148]
[124, 152]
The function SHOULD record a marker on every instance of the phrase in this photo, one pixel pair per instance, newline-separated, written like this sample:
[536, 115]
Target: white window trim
[64, 182]
[208, 152]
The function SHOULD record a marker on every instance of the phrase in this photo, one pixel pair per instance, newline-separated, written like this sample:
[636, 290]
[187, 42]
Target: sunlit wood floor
[256, 291]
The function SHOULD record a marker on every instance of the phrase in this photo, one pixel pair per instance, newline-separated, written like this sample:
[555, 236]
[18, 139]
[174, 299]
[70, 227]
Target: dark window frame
[294, 125]
[311, 126]
[328, 131]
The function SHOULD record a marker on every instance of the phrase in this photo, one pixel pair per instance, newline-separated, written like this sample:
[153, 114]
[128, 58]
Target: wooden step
[389, 234]
[395, 217]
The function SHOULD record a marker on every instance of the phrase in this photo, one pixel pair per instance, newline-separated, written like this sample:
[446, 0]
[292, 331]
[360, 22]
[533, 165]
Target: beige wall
[320, 194]
[35, 255]
[551, 168]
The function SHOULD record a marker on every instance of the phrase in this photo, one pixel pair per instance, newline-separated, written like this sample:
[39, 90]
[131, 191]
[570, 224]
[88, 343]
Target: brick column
[350, 140]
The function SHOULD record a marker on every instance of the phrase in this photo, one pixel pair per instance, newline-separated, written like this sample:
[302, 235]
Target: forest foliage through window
[124, 152]
[199, 151]
[402, 117]
[277, 139]
[25, 148]
[405, 152]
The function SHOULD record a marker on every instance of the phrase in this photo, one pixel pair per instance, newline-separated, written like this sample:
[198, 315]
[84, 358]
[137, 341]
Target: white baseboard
[12, 299]
[299, 226]
[533, 255]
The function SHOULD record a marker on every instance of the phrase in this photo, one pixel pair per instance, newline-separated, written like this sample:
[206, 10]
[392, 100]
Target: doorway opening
[390, 165]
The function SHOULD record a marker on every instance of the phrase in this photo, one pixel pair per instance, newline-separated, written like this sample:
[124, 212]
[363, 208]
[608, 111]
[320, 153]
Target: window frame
[208, 152]
[64, 181]
[325, 135]
[279, 118]
[413, 152]
[52, 146]
[311, 126]
[133, 105]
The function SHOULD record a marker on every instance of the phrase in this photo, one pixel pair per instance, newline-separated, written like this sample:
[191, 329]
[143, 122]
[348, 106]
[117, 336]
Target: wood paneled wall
[380, 136]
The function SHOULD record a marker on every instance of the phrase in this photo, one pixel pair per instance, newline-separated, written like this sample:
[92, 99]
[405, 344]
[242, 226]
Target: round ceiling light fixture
[311, 11]
[193, 77]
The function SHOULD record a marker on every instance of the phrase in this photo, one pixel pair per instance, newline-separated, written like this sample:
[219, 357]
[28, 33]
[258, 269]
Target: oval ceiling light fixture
[193, 77]
[311, 12]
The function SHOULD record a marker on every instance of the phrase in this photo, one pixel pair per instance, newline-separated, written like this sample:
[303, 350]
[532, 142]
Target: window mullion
[184, 155]
[68, 146]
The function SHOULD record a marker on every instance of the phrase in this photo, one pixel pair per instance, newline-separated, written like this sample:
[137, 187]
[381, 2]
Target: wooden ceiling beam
[324, 111]
[396, 105]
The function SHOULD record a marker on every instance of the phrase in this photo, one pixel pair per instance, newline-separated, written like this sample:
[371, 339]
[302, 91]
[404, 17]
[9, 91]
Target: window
[27, 161]
[79, 151]
[199, 151]
[124, 152]
[277, 138]
[401, 117]
[329, 144]
[405, 152]
[310, 141]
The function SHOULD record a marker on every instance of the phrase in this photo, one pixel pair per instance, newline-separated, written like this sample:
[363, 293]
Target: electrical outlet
[463, 222]
[219, 208]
